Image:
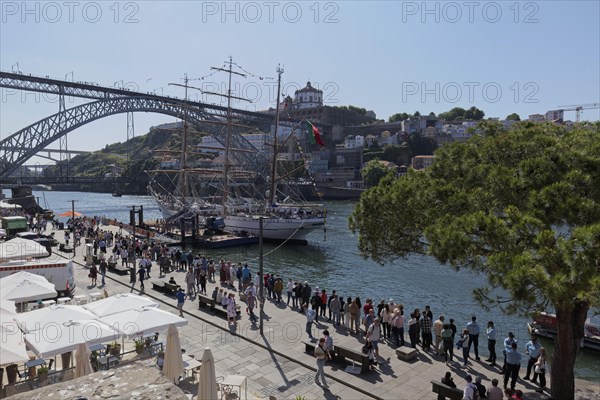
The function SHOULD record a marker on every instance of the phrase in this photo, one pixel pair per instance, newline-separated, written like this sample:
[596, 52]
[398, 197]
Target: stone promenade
[276, 364]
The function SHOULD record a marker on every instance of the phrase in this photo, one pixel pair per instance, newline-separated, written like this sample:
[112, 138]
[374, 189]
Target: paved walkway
[276, 364]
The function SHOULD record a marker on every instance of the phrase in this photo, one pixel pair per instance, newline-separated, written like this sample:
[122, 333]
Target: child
[368, 351]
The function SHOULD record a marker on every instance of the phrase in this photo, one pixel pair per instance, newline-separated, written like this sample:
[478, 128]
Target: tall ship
[236, 181]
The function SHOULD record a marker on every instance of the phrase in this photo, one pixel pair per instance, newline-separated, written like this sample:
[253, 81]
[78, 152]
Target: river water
[331, 261]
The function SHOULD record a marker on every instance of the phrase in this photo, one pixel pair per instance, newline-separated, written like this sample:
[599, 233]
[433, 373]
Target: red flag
[314, 135]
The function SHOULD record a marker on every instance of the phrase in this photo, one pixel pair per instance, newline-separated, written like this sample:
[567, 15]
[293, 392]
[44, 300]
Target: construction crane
[579, 107]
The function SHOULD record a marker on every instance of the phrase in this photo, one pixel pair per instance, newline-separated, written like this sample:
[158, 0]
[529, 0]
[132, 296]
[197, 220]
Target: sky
[387, 56]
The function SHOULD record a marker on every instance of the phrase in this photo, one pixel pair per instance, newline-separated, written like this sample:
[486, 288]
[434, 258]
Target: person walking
[397, 323]
[251, 303]
[507, 347]
[438, 326]
[374, 334]
[290, 292]
[491, 334]
[141, 276]
[180, 295]
[322, 355]
[103, 266]
[425, 325]
[334, 309]
[413, 330]
[474, 331]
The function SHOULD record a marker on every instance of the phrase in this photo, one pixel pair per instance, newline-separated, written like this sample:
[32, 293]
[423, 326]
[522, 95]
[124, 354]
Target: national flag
[313, 134]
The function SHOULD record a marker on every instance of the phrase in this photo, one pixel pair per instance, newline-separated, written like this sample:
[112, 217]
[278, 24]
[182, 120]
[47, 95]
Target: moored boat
[546, 325]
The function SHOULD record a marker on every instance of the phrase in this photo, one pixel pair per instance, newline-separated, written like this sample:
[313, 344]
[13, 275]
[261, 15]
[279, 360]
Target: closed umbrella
[207, 386]
[83, 366]
[173, 366]
[12, 345]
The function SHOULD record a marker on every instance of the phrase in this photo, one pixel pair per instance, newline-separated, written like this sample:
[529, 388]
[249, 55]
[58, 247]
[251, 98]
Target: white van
[58, 272]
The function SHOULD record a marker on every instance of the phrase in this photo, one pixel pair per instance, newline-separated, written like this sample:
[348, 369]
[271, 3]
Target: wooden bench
[117, 268]
[309, 346]
[445, 391]
[406, 353]
[159, 286]
[217, 309]
[344, 352]
[170, 288]
[205, 301]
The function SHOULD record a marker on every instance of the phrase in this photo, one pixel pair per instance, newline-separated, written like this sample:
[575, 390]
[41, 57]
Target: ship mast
[275, 150]
[226, 163]
[184, 143]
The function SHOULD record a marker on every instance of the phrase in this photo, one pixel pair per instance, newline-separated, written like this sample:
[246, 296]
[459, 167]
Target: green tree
[398, 117]
[373, 172]
[520, 206]
[417, 114]
[513, 117]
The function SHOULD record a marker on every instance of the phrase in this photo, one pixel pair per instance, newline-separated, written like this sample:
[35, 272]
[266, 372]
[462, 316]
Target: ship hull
[275, 229]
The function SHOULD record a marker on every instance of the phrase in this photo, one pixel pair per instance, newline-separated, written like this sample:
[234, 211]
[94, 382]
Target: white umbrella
[21, 276]
[62, 338]
[20, 249]
[12, 348]
[173, 366]
[119, 303]
[146, 319]
[7, 309]
[53, 315]
[83, 366]
[27, 290]
[207, 385]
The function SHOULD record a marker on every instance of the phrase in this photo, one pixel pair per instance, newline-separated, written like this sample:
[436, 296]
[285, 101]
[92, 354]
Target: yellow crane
[579, 107]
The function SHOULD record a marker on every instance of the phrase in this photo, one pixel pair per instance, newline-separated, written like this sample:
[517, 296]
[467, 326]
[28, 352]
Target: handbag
[538, 369]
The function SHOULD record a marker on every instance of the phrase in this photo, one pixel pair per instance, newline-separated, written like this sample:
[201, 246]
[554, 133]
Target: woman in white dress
[232, 309]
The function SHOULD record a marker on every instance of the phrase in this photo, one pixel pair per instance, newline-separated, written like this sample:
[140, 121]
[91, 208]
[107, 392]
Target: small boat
[117, 194]
[546, 325]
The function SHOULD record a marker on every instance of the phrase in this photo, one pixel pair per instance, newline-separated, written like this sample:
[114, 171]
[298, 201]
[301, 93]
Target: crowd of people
[375, 324]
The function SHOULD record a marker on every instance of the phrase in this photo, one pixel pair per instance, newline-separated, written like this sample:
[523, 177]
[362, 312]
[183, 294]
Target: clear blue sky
[385, 56]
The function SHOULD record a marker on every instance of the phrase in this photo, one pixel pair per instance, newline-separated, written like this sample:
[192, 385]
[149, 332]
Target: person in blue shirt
[532, 349]
[474, 331]
[513, 364]
[491, 334]
[180, 301]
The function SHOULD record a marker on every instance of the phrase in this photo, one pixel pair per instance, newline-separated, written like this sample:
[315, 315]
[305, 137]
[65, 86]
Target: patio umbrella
[27, 290]
[12, 348]
[70, 214]
[173, 366]
[7, 310]
[20, 276]
[21, 249]
[83, 366]
[62, 338]
[207, 385]
[119, 303]
[146, 319]
[46, 317]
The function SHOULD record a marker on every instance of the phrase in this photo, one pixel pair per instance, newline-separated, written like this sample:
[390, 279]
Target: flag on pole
[314, 136]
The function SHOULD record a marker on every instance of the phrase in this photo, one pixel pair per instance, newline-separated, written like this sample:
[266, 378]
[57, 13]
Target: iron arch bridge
[24, 144]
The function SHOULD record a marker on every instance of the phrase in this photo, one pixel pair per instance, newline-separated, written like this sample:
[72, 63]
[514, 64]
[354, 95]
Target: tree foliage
[521, 206]
[459, 114]
[399, 117]
[373, 172]
[513, 117]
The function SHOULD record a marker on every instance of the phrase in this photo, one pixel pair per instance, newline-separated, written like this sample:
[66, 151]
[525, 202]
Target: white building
[353, 142]
[308, 97]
